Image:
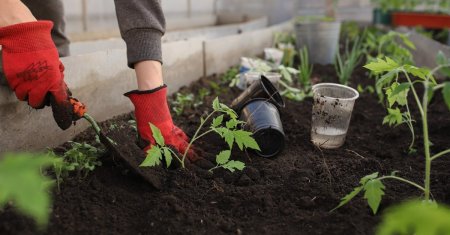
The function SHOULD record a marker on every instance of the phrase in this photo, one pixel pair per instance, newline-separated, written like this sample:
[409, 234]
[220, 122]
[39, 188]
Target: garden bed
[290, 194]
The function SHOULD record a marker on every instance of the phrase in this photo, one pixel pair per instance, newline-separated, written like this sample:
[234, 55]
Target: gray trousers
[52, 10]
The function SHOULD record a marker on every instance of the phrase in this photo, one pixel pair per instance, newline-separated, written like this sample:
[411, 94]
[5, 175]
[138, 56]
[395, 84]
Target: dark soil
[290, 194]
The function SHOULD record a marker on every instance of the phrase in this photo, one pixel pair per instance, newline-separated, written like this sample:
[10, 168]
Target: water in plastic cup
[331, 114]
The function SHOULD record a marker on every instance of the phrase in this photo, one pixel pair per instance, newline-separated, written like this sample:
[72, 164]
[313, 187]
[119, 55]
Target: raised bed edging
[83, 47]
[99, 79]
[426, 49]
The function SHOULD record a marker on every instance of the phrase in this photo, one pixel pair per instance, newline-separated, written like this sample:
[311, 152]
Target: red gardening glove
[32, 67]
[151, 107]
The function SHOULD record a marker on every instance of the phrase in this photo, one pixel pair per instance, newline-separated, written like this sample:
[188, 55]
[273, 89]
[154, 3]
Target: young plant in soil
[25, 187]
[190, 100]
[229, 130]
[394, 45]
[346, 63]
[286, 42]
[390, 70]
[305, 68]
[82, 158]
[231, 76]
[304, 79]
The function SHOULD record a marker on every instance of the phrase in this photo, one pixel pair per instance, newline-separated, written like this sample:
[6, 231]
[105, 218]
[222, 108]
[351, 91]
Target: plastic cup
[331, 114]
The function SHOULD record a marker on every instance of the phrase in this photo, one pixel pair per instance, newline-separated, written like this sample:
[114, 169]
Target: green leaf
[231, 124]
[153, 157]
[217, 121]
[167, 156]
[442, 60]
[422, 73]
[381, 65]
[349, 197]
[446, 94]
[22, 183]
[407, 41]
[286, 75]
[416, 217]
[234, 165]
[386, 79]
[366, 178]
[373, 193]
[292, 70]
[229, 138]
[398, 93]
[216, 104]
[223, 157]
[230, 112]
[244, 139]
[157, 135]
[394, 117]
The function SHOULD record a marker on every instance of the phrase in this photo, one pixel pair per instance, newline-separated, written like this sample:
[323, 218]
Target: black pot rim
[270, 89]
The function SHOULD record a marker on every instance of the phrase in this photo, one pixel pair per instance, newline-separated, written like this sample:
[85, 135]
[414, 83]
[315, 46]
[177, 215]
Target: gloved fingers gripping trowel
[120, 145]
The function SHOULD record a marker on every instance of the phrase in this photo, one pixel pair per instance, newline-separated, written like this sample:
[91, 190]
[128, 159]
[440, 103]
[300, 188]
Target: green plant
[228, 130]
[390, 70]
[416, 217]
[223, 161]
[362, 89]
[350, 30]
[386, 5]
[181, 102]
[346, 63]
[283, 38]
[156, 152]
[304, 78]
[82, 158]
[285, 42]
[442, 60]
[305, 68]
[313, 18]
[24, 187]
[231, 76]
[395, 116]
[394, 45]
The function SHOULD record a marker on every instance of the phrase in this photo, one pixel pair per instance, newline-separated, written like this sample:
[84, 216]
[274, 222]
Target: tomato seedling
[228, 130]
[389, 70]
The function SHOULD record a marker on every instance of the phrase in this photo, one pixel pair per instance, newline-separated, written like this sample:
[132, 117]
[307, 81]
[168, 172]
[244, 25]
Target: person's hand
[151, 107]
[33, 70]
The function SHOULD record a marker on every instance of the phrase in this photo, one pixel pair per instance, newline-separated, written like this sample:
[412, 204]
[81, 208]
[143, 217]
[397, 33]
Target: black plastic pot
[263, 120]
[263, 89]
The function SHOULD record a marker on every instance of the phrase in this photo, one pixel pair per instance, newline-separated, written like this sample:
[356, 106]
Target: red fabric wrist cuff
[26, 37]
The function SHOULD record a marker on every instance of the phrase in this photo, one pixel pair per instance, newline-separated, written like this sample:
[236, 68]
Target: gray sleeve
[142, 24]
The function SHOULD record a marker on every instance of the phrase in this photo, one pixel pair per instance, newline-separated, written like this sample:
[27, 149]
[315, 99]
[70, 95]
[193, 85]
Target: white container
[248, 78]
[273, 55]
[321, 39]
[331, 113]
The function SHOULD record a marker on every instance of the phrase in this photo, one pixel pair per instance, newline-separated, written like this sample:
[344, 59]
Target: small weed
[82, 158]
